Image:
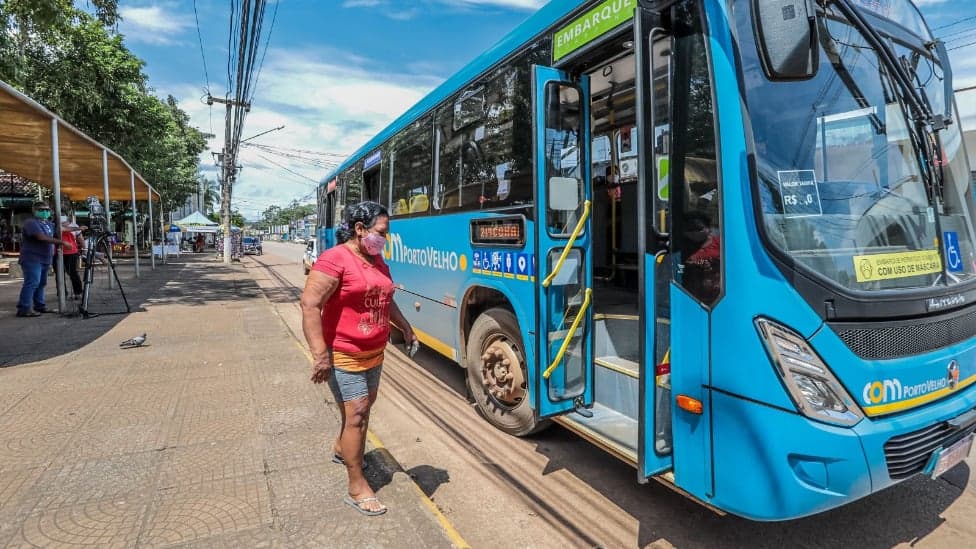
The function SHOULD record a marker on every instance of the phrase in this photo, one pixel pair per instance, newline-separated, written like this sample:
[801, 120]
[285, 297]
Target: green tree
[236, 218]
[271, 215]
[79, 67]
[211, 194]
[23, 22]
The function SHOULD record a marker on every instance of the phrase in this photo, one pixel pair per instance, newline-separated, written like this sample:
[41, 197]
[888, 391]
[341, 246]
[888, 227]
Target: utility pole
[228, 170]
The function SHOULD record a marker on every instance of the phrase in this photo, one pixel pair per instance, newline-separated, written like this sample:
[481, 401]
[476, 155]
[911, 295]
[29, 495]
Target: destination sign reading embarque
[598, 21]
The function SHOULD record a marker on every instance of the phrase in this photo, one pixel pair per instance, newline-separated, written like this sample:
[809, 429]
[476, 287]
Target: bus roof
[538, 22]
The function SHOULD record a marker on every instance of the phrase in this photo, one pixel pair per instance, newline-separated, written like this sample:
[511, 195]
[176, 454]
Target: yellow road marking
[449, 530]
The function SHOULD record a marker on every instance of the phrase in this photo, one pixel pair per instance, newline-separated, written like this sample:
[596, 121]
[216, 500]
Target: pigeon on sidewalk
[134, 342]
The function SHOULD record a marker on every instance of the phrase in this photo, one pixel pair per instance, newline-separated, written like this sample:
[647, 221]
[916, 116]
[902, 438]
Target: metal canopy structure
[38, 145]
[26, 149]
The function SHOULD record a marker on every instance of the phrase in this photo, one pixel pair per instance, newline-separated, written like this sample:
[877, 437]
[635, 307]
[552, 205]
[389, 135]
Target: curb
[385, 459]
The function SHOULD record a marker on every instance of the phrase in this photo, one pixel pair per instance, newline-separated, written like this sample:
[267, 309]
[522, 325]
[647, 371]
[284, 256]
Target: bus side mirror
[786, 37]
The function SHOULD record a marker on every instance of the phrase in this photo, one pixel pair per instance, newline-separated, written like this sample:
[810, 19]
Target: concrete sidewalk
[209, 436]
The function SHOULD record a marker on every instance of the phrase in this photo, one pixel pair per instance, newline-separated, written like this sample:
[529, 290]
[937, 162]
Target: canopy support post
[152, 256]
[108, 215]
[162, 223]
[56, 165]
[135, 237]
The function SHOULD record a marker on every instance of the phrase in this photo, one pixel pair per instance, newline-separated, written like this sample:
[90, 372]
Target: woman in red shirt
[71, 250]
[347, 306]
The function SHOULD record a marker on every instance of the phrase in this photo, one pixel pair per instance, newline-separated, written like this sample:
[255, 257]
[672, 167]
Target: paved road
[556, 490]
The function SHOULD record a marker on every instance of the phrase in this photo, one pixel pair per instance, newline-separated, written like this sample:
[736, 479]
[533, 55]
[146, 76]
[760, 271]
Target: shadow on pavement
[191, 280]
[905, 513]
[429, 478]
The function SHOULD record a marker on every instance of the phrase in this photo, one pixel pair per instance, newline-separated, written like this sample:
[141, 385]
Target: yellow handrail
[569, 245]
[570, 334]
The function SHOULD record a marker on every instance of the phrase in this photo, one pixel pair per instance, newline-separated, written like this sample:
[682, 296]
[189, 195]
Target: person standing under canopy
[36, 255]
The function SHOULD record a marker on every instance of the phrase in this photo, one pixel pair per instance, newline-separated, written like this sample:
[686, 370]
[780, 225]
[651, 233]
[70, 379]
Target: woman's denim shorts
[348, 386]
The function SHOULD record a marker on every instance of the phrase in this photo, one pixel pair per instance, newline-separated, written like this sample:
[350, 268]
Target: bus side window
[412, 167]
[352, 182]
[695, 190]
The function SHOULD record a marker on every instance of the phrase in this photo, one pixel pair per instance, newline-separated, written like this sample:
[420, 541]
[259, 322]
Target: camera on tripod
[99, 248]
[97, 218]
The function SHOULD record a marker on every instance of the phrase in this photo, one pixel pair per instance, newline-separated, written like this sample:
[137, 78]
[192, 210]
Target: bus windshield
[841, 179]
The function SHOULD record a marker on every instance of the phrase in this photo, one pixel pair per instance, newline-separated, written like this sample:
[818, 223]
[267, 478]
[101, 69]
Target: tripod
[98, 240]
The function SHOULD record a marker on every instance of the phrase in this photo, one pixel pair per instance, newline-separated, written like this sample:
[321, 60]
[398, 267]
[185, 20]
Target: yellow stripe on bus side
[435, 344]
[917, 401]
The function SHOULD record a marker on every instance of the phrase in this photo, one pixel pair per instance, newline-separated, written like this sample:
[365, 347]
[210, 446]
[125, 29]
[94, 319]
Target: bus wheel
[496, 371]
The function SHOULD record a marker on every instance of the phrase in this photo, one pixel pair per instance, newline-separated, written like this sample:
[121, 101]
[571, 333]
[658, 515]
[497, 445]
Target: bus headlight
[812, 386]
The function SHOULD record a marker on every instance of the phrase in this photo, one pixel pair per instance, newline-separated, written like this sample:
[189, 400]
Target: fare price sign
[800, 192]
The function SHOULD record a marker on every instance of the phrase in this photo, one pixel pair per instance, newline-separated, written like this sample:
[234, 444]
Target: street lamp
[264, 132]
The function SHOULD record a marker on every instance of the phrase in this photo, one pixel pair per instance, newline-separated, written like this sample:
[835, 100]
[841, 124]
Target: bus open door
[564, 369]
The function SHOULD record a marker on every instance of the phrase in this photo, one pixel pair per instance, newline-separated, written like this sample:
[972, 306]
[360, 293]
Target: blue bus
[729, 241]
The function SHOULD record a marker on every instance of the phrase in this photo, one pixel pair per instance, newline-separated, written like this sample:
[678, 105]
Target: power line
[340, 156]
[230, 49]
[960, 47]
[962, 36]
[316, 162]
[956, 22]
[202, 55]
[957, 32]
[288, 169]
[267, 42]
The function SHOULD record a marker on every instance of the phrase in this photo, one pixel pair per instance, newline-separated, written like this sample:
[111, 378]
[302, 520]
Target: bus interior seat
[449, 201]
[419, 203]
[401, 207]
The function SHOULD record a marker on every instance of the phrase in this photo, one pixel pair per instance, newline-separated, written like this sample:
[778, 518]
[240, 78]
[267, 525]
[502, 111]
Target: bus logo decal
[892, 390]
[428, 256]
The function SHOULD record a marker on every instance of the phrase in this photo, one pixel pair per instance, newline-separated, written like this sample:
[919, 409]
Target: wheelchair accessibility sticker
[953, 253]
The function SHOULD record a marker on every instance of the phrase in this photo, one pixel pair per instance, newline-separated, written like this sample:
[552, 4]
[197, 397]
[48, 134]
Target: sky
[338, 71]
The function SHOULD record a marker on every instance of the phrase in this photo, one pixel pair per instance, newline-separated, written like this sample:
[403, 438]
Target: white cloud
[518, 4]
[387, 6]
[152, 24]
[326, 102]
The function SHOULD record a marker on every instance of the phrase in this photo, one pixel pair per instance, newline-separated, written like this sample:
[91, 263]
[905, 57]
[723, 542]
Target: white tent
[196, 222]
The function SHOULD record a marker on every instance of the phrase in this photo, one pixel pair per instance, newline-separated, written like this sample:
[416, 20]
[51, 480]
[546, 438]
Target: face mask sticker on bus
[873, 267]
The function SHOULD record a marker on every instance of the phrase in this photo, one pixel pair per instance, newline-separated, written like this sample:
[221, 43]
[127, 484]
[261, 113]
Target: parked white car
[311, 254]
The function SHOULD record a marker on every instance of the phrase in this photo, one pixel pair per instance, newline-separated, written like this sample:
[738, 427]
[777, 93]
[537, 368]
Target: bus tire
[494, 336]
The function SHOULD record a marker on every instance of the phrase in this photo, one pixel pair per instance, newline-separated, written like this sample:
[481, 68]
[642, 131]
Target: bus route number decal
[800, 193]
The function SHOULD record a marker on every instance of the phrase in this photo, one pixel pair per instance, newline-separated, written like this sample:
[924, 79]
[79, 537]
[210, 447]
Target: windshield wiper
[920, 110]
[829, 44]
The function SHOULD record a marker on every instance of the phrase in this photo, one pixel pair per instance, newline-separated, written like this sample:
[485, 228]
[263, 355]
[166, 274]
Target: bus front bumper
[774, 464]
